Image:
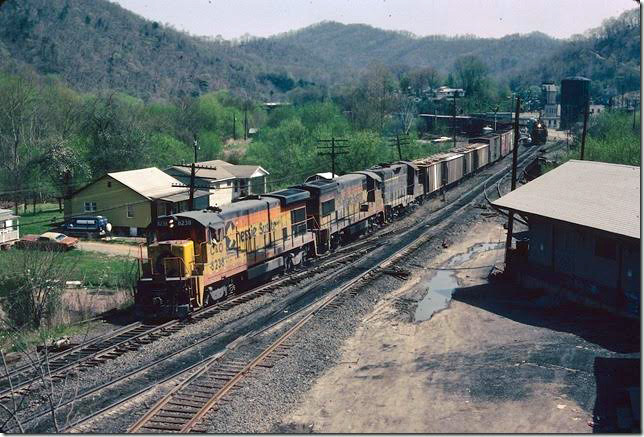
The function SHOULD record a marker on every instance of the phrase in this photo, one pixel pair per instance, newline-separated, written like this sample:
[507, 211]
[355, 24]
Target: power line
[333, 150]
[398, 141]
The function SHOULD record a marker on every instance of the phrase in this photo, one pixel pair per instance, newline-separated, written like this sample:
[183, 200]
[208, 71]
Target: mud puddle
[441, 285]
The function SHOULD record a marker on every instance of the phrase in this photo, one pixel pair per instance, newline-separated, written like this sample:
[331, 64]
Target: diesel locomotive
[196, 258]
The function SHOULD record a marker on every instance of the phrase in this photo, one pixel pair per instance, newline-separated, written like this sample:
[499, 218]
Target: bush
[31, 283]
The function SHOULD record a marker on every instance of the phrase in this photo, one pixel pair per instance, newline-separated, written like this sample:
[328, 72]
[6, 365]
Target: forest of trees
[97, 45]
[88, 87]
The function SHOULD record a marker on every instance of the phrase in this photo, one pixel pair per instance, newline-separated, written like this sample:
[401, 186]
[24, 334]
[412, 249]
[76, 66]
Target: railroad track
[184, 407]
[364, 245]
[130, 338]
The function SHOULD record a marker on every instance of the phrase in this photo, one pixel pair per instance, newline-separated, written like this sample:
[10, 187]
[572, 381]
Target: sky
[485, 18]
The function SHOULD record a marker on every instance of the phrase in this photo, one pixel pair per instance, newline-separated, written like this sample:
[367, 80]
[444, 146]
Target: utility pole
[634, 112]
[234, 127]
[191, 201]
[192, 186]
[399, 141]
[245, 123]
[515, 155]
[333, 150]
[195, 144]
[583, 133]
[454, 120]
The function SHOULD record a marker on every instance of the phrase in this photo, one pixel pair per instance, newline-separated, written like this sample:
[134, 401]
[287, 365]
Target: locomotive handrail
[182, 264]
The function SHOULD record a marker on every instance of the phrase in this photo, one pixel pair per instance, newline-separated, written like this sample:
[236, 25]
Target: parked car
[87, 226]
[48, 241]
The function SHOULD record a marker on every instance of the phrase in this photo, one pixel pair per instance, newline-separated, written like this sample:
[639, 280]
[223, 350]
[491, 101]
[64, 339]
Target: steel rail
[192, 346]
[351, 246]
[173, 421]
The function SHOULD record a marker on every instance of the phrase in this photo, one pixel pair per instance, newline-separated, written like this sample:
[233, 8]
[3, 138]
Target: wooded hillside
[96, 45]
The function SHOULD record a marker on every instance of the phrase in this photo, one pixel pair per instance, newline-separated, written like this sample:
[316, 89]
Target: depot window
[130, 211]
[605, 248]
[328, 207]
[90, 206]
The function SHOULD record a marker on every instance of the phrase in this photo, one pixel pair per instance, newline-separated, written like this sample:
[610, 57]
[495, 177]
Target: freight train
[196, 258]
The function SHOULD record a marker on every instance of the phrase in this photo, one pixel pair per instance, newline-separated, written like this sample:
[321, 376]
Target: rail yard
[186, 370]
[339, 228]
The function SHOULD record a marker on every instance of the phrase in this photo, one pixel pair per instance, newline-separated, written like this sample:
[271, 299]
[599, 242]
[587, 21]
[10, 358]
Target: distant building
[552, 110]
[325, 175]
[445, 92]
[132, 199]
[583, 240]
[596, 109]
[629, 100]
[9, 228]
[225, 181]
[575, 96]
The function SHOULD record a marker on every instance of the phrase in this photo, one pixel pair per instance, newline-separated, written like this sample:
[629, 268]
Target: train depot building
[583, 240]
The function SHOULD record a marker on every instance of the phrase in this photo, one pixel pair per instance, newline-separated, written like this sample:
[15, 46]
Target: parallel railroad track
[358, 249]
[131, 337]
[183, 408]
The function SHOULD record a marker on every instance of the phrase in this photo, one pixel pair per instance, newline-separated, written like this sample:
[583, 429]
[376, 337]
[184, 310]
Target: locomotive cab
[171, 284]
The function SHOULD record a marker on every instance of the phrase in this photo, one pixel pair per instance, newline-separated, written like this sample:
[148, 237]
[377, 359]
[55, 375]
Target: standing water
[442, 284]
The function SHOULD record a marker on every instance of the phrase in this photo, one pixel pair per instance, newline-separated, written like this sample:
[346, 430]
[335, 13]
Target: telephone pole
[454, 121]
[333, 150]
[583, 133]
[234, 127]
[195, 144]
[398, 141]
[515, 154]
[192, 186]
[245, 123]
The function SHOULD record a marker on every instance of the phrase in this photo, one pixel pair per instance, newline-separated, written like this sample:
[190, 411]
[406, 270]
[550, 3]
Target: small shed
[9, 228]
[584, 234]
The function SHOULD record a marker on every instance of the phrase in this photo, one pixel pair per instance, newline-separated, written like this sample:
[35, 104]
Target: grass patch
[40, 221]
[98, 270]
[94, 269]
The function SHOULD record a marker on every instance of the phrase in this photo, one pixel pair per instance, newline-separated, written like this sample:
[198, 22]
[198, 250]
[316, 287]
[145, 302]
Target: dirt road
[113, 248]
[493, 361]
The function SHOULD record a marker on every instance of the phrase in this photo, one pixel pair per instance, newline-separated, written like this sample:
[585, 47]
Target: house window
[109, 184]
[605, 248]
[90, 206]
[130, 211]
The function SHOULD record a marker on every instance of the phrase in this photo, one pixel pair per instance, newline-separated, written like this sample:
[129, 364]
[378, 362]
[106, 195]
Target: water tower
[575, 97]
